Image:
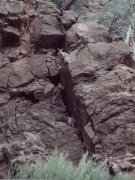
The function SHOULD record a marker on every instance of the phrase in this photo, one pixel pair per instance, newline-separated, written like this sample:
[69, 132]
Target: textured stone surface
[83, 33]
[99, 90]
[33, 117]
[69, 18]
[41, 90]
[103, 97]
[47, 32]
[11, 7]
[47, 7]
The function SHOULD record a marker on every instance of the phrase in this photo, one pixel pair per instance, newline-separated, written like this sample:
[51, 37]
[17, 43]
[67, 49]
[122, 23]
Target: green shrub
[59, 168]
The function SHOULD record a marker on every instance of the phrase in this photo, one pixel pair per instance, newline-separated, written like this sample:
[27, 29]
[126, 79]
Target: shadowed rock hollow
[92, 82]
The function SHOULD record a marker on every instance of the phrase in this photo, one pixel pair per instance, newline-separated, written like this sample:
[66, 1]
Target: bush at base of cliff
[59, 168]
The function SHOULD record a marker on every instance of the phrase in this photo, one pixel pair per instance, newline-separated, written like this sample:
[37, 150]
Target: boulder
[47, 8]
[39, 66]
[69, 18]
[47, 32]
[20, 74]
[11, 7]
[44, 65]
[83, 33]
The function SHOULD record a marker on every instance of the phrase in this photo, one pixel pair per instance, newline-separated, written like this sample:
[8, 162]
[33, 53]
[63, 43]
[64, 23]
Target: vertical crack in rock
[33, 117]
[99, 93]
[35, 109]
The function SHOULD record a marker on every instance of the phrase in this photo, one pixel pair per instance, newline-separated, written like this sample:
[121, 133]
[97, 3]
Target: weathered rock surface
[33, 117]
[83, 33]
[47, 32]
[39, 90]
[69, 18]
[122, 163]
[99, 91]
[8, 7]
[47, 8]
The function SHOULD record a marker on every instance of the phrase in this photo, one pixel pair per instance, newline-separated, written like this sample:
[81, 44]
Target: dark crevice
[55, 79]
[110, 68]
[22, 85]
[65, 102]
[74, 108]
[24, 95]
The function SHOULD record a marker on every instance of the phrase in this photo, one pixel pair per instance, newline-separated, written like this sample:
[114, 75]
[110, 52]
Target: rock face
[33, 117]
[99, 91]
[92, 83]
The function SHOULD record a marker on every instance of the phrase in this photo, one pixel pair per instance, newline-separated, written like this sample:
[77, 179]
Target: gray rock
[39, 66]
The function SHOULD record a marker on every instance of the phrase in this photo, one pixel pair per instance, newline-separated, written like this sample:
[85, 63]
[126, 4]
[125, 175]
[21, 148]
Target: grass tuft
[59, 168]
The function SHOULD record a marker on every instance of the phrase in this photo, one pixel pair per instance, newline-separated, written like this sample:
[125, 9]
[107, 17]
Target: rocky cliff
[41, 87]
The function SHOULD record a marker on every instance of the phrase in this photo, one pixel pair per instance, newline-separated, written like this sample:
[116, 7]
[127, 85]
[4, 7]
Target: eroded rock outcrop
[99, 91]
[33, 117]
[92, 82]
[84, 33]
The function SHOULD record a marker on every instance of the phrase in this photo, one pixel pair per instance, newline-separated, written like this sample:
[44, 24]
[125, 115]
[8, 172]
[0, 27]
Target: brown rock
[11, 7]
[33, 117]
[21, 74]
[47, 32]
[100, 94]
[47, 7]
[84, 33]
[69, 18]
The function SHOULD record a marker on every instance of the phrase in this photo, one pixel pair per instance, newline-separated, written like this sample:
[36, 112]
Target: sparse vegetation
[117, 15]
[59, 168]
